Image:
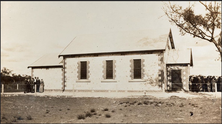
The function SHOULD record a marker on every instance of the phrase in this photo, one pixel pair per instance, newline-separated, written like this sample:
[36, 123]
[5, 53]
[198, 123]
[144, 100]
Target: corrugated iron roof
[180, 56]
[47, 61]
[153, 39]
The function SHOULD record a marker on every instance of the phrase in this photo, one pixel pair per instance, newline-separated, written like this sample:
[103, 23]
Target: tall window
[137, 68]
[83, 71]
[109, 69]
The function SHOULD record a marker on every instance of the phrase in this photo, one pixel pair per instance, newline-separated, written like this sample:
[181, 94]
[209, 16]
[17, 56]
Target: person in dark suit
[27, 86]
[213, 81]
[219, 83]
[208, 84]
[37, 84]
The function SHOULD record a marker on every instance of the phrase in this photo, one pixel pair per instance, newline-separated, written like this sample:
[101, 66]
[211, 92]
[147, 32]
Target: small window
[83, 71]
[109, 69]
[137, 68]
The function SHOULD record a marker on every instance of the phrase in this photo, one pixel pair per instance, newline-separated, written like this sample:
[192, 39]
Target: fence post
[216, 90]
[2, 88]
[73, 90]
[35, 89]
[163, 87]
[17, 86]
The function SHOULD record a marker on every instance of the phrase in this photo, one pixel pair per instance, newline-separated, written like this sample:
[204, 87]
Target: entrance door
[176, 80]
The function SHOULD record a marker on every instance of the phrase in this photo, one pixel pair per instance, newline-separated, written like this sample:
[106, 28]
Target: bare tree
[201, 26]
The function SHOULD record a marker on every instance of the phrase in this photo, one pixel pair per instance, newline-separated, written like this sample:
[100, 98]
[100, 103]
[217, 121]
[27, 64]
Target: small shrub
[99, 114]
[29, 117]
[108, 115]
[139, 103]
[125, 106]
[132, 103]
[60, 109]
[47, 111]
[81, 116]
[19, 118]
[88, 114]
[145, 102]
[113, 111]
[106, 109]
[8, 122]
[92, 110]
[68, 109]
[3, 117]
[95, 113]
[120, 109]
[13, 120]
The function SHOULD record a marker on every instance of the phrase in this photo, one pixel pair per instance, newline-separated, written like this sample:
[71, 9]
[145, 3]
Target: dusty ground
[146, 109]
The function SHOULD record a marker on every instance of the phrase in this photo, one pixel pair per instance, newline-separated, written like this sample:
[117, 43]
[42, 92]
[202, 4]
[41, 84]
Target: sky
[30, 30]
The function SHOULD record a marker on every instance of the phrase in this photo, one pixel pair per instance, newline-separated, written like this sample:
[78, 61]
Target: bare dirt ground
[145, 109]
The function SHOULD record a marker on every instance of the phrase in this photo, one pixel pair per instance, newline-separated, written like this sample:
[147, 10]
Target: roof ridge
[67, 45]
[36, 60]
[115, 41]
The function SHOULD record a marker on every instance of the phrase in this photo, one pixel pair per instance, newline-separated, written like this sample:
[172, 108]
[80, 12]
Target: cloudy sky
[30, 30]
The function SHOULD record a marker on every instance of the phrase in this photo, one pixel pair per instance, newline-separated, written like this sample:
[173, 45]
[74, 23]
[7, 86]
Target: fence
[201, 87]
[13, 87]
[195, 87]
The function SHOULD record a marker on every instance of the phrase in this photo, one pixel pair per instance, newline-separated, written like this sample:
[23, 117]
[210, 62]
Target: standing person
[200, 84]
[220, 83]
[194, 86]
[208, 83]
[26, 86]
[205, 83]
[41, 88]
[37, 84]
[29, 86]
[191, 83]
[34, 84]
[32, 87]
[213, 81]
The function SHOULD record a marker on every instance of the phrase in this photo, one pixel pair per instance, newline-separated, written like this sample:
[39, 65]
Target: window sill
[137, 80]
[109, 80]
[83, 81]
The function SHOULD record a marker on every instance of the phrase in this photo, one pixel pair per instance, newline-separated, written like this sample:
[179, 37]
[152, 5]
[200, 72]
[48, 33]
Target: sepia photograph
[111, 62]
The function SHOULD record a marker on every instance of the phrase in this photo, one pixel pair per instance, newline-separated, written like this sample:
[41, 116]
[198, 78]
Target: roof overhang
[181, 58]
[117, 52]
[171, 40]
[46, 66]
[191, 58]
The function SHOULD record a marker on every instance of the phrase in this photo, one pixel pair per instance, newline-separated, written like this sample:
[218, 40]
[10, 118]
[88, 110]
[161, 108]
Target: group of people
[30, 85]
[205, 83]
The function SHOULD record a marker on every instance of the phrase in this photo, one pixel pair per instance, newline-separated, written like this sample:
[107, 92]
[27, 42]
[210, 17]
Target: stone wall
[122, 73]
[185, 72]
[52, 77]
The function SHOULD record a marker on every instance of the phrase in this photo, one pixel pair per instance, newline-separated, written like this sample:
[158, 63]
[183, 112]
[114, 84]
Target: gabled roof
[182, 56]
[48, 60]
[153, 39]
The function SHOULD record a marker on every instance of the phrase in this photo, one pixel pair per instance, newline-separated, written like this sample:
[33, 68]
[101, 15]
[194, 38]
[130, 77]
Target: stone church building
[114, 62]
